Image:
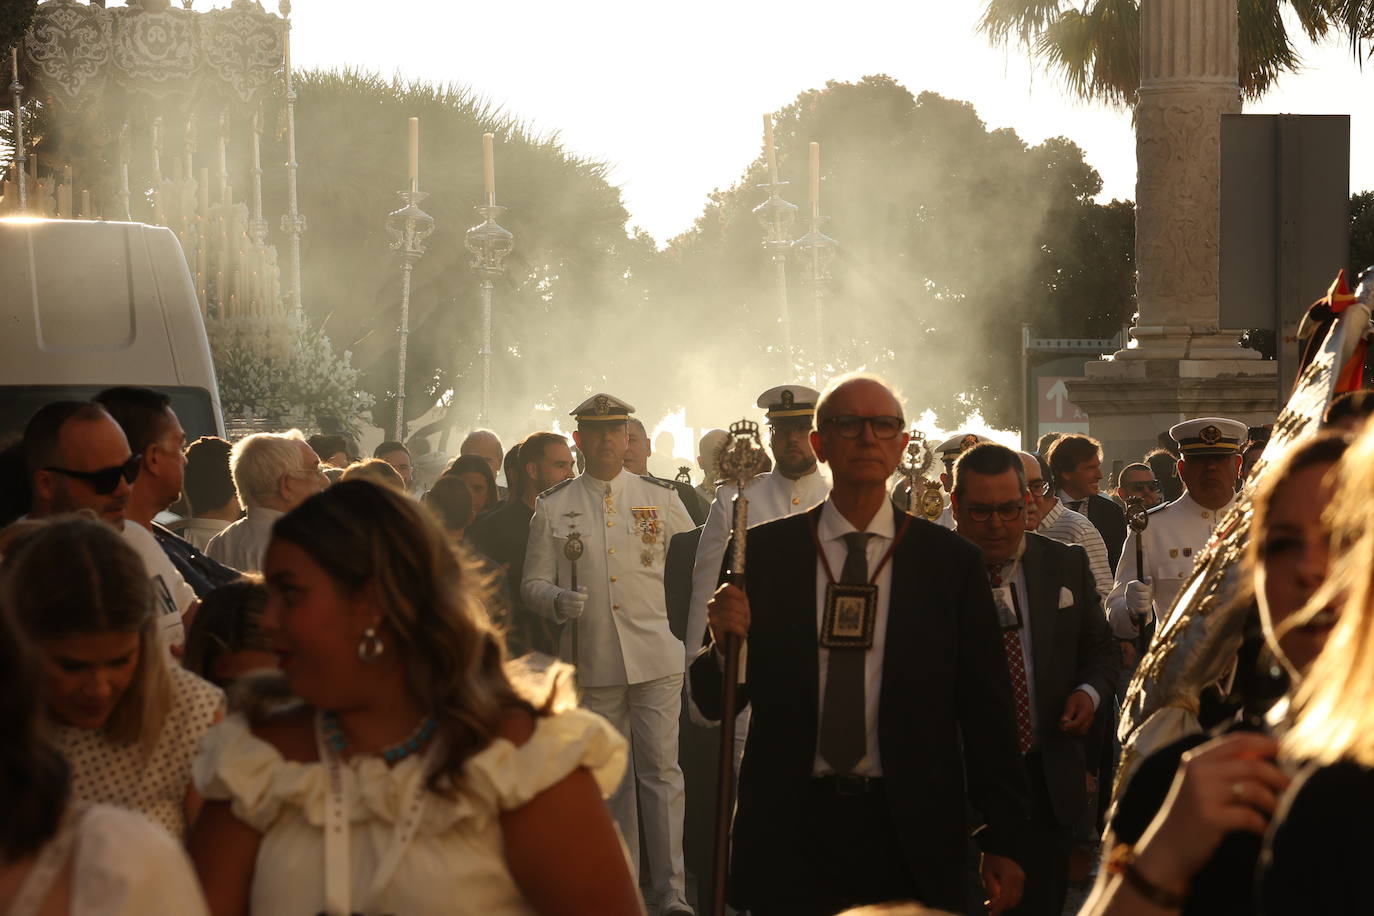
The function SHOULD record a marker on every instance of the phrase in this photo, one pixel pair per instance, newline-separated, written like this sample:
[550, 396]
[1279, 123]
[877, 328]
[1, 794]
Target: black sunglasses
[105, 480]
[1141, 486]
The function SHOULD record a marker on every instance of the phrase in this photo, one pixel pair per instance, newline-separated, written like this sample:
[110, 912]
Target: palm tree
[1095, 44]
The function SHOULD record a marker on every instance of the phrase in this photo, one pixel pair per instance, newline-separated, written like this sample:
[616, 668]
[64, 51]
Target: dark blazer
[502, 535]
[944, 683]
[1071, 645]
[1110, 521]
[677, 578]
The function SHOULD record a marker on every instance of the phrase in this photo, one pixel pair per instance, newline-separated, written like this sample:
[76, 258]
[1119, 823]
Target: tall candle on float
[414, 154]
[769, 148]
[489, 168]
[815, 180]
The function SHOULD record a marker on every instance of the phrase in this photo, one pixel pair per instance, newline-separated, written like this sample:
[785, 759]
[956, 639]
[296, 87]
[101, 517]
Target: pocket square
[1065, 598]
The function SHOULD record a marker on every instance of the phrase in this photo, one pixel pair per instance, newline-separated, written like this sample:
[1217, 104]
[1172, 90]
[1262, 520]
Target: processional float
[1198, 638]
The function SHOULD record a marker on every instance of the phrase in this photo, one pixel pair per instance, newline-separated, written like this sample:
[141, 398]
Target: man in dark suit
[1076, 463]
[877, 680]
[637, 455]
[502, 534]
[1062, 659]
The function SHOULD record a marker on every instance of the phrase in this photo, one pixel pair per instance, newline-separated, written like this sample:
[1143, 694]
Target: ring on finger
[1238, 791]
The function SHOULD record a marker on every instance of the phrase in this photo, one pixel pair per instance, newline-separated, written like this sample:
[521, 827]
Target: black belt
[846, 786]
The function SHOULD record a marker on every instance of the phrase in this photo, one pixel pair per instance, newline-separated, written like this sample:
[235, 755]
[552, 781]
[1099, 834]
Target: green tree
[951, 236]
[1095, 44]
[1361, 231]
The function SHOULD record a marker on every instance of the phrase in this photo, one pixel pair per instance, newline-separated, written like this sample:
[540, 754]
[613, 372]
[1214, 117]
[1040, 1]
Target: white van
[85, 305]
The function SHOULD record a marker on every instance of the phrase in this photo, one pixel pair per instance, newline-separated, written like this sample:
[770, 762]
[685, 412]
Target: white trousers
[647, 714]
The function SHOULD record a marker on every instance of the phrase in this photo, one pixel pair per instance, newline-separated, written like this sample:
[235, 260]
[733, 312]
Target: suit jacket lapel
[805, 627]
[1044, 601]
[902, 608]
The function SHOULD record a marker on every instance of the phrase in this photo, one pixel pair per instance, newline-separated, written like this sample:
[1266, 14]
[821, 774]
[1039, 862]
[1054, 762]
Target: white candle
[815, 179]
[489, 168]
[769, 148]
[414, 154]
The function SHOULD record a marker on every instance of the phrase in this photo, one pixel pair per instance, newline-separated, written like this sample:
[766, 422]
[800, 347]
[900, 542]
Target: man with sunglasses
[880, 698]
[1058, 651]
[1137, 480]
[77, 457]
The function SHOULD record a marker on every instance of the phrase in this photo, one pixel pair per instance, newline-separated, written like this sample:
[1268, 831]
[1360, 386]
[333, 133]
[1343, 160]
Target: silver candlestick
[408, 228]
[816, 251]
[777, 216]
[489, 243]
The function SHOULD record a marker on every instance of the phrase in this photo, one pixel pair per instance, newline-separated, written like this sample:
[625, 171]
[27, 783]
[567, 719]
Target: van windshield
[18, 403]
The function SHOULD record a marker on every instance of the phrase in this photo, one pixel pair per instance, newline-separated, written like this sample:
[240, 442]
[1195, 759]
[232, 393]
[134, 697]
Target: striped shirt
[1066, 526]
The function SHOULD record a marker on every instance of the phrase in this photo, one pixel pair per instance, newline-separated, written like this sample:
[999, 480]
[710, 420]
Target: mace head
[741, 457]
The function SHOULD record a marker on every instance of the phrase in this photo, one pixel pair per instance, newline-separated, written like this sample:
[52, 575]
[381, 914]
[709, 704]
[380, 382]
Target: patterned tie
[844, 729]
[1016, 666]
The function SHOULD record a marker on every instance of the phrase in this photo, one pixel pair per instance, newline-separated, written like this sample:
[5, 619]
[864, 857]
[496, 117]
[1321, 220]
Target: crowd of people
[275, 676]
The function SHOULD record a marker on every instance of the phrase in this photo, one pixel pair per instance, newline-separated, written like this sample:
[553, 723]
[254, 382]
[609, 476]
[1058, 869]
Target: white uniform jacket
[1174, 538]
[622, 635]
[771, 496]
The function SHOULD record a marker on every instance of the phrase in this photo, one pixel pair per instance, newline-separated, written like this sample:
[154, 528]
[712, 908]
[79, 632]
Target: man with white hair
[273, 474]
[710, 443]
[486, 445]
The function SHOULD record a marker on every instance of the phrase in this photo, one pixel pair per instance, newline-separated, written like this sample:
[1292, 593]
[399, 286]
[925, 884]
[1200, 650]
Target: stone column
[1183, 363]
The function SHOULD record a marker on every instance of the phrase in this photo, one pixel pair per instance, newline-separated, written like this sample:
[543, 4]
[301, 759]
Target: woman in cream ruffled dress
[414, 778]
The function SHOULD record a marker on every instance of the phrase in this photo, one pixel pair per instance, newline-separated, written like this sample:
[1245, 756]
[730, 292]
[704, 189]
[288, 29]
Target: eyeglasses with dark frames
[105, 480]
[1038, 487]
[851, 427]
[1007, 512]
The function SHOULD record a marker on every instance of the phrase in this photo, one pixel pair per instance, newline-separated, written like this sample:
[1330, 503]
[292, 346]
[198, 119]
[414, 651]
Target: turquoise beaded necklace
[334, 738]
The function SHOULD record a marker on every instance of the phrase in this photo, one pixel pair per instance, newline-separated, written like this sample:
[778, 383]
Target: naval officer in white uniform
[794, 485]
[948, 453]
[629, 664]
[1178, 531]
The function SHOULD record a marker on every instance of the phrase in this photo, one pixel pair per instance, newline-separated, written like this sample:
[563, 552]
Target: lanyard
[338, 871]
[825, 563]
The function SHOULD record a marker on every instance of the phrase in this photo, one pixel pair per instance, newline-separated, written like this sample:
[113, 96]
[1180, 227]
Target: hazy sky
[671, 94]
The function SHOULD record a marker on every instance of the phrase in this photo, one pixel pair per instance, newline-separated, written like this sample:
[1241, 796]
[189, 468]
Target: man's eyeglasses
[1038, 487]
[1143, 486]
[851, 427]
[105, 480]
[1007, 512]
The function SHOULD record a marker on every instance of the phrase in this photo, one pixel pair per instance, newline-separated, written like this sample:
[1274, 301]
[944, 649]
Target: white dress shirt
[831, 531]
[1066, 526]
[243, 544]
[771, 496]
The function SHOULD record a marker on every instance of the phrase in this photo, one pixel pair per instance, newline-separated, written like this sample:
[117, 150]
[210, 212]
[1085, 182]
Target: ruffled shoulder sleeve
[505, 777]
[236, 766]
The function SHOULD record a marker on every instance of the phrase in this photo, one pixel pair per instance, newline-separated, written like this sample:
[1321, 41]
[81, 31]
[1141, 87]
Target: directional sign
[1055, 411]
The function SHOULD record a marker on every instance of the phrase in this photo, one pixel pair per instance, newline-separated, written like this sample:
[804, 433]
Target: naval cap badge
[788, 399]
[1210, 435]
[601, 406]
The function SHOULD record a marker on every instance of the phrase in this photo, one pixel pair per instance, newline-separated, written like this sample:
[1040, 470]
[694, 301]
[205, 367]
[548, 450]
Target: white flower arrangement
[283, 367]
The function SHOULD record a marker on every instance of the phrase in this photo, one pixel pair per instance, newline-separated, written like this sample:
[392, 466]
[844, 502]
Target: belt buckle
[848, 785]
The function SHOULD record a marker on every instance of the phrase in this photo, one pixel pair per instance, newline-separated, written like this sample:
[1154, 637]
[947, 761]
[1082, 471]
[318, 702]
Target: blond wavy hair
[367, 535]
[1335, 701]
[75, 574]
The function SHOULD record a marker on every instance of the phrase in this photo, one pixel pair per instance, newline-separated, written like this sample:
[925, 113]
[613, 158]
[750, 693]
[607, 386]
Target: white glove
[569, 603]
[1140, 598]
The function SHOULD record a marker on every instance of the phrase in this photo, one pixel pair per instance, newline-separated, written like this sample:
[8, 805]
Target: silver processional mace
[408, 228]
[489, 243]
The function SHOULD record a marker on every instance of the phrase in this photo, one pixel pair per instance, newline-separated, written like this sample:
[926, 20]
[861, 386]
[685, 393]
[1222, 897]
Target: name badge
[1008, 608]
[851, 612]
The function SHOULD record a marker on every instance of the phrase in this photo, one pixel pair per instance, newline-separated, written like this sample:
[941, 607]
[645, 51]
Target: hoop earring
[370, 647]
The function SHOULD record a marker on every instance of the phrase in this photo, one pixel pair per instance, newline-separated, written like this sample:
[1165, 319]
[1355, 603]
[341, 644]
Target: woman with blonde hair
[125, 717]
[414, 778]
[1320, 843]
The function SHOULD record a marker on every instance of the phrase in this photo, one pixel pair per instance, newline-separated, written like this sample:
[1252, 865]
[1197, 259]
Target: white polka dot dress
[154, 784]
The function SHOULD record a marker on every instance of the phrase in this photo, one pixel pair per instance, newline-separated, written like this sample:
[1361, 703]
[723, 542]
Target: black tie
[1077, 505]
[844, 730]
